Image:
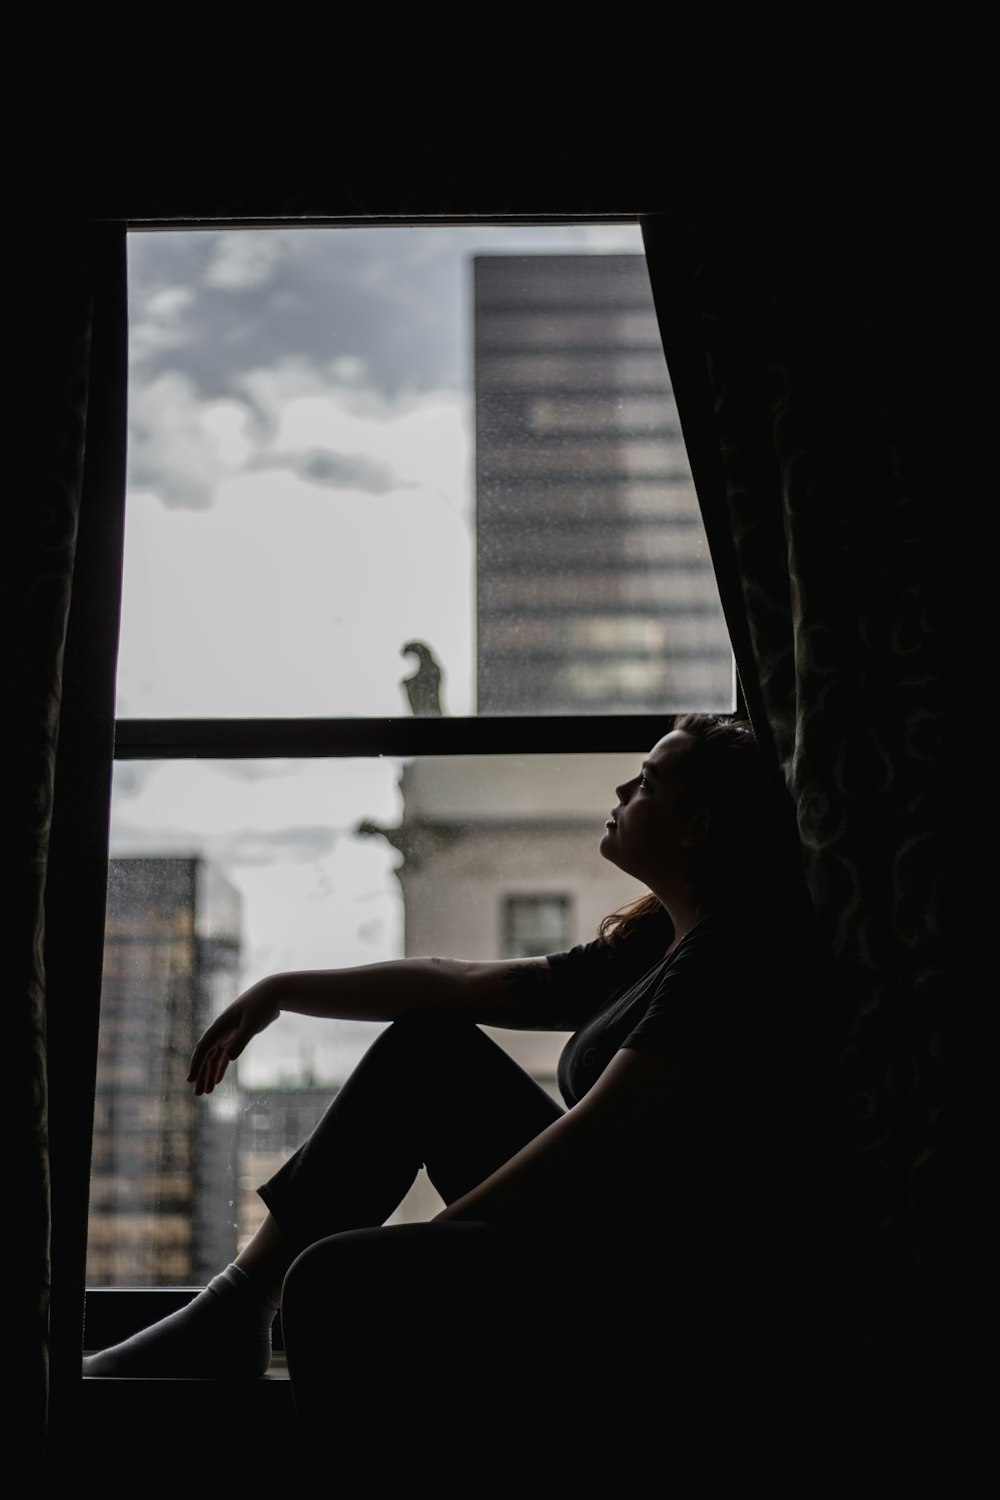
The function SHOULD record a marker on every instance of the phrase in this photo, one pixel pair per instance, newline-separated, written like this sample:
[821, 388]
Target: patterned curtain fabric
[41, 591]
[73, 287]
[797, 368]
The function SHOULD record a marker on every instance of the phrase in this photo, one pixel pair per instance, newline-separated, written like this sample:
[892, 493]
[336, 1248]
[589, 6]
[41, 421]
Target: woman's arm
[506, 992]
[580, 1164]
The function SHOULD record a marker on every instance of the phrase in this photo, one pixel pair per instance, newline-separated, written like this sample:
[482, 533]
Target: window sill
[277, 1372]
[184, 1429]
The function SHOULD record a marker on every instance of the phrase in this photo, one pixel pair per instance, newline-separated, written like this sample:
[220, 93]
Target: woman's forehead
[670, 748]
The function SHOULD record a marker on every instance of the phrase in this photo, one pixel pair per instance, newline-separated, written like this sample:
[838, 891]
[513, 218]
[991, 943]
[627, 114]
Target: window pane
[223, 872]
[537, 924]
[376, 472]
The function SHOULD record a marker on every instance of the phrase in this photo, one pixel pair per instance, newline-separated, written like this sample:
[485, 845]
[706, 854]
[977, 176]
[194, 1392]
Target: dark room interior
[798, 319]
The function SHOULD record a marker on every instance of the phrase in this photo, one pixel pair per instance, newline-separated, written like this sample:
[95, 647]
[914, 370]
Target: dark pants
[431, 1090]
[400, 1333]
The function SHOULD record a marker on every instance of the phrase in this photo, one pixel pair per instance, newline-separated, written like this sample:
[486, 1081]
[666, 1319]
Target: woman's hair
[724, 772]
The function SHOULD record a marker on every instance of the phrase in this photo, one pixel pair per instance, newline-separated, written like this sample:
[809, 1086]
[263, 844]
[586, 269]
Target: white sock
[223, 1334]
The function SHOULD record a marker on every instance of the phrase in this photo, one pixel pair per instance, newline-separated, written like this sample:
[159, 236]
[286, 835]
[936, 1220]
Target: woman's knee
[392, 1334]
[396, 1274]
[396, 1305]
[433, 1023]
[435, 1038]
[411, 1029]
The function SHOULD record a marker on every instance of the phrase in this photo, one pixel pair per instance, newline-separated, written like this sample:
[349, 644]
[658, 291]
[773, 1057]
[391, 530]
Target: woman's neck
[684, 912]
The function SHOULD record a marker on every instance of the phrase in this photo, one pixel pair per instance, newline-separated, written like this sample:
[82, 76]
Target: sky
[297, 399]
[300, 482]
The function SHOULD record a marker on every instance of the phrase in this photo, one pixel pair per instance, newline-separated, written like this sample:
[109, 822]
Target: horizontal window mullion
[232, 739]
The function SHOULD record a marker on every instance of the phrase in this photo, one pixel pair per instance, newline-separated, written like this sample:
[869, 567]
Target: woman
[668, 1151]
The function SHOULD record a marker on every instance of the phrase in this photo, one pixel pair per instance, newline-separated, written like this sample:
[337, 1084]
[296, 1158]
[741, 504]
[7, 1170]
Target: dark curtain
[796, 339]
[64, 586]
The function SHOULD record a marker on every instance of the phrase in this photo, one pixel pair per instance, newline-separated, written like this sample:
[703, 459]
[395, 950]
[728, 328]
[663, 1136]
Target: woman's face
[646, 836]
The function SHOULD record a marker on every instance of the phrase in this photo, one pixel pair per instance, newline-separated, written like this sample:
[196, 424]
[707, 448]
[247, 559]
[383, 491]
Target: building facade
[164, 1164]
[596, 593]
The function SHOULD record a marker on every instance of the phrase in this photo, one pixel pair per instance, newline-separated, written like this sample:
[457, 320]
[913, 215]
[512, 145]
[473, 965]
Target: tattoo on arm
[524, 982]
[525, 978]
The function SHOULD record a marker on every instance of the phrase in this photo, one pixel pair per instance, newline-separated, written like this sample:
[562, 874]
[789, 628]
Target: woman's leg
[224, 1334]
[431, 1089]
[423, 1342]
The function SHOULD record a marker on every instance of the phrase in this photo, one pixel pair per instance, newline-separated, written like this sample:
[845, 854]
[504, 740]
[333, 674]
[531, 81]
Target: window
[537, 924]
[414, 570]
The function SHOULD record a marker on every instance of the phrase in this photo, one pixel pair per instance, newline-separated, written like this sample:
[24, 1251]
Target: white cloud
[180, 445]
[227, 426]
[158, 324]
[245, 260]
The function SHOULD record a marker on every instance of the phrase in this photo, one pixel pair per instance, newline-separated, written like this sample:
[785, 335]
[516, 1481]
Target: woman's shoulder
[741, 960]
[610, 965]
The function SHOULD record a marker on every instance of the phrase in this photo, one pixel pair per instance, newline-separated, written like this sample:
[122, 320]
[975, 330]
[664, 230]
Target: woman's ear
[697, 827]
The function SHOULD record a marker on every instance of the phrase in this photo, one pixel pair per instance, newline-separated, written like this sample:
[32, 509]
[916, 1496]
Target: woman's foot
[224, 1334]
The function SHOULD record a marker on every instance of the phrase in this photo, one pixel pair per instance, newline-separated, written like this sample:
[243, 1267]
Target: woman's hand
[229, 1033]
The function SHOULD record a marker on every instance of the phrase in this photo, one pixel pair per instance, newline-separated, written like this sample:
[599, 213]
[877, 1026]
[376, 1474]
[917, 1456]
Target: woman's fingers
[208, 1061]
[206, 1077]
[214, 1053]
[224, 1040]
[203, 1048]
[219, 1034]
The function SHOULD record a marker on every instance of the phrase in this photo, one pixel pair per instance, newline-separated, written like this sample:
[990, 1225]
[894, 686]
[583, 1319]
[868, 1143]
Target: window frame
[515, 902]
[111, 1313]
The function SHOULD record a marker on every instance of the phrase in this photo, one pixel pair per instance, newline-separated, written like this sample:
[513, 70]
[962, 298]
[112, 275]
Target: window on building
[414, 571]
[537, 924]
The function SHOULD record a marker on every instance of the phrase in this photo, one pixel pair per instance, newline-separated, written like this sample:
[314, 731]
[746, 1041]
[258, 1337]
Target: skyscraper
[596, 593]
[164, 1165]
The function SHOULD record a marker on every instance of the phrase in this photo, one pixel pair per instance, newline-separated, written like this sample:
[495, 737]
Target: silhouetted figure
[423, 689]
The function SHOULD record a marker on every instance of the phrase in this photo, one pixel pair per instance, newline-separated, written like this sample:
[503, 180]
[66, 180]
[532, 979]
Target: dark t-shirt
[710, 1219]
[723, 1008]
[692, 1007]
